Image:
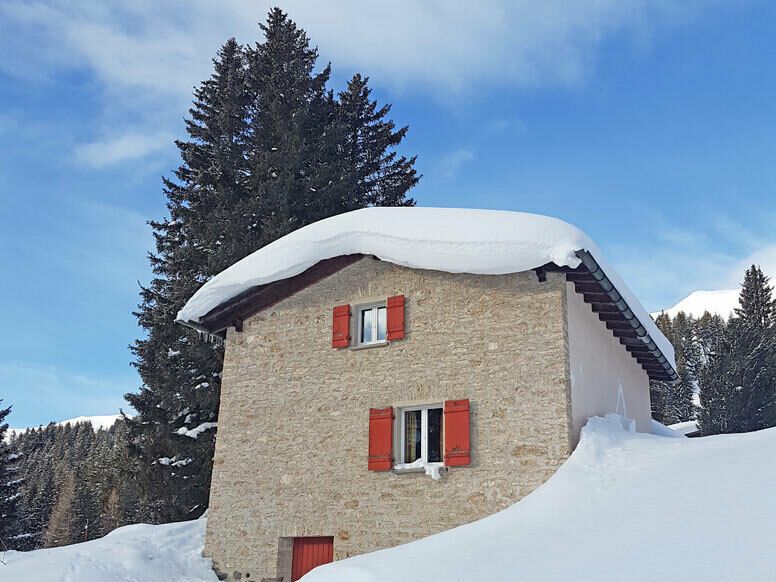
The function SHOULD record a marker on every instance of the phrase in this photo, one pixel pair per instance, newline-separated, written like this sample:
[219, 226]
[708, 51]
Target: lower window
[421, 434]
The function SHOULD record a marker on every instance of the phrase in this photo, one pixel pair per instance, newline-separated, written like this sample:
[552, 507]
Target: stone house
[392, 373]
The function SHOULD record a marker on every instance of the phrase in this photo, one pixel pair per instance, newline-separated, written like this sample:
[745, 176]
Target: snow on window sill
[433, 470]
[369, 345]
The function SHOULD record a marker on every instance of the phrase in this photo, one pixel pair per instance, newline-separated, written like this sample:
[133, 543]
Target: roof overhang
[588, 278]
[596, 288]
[233, 312]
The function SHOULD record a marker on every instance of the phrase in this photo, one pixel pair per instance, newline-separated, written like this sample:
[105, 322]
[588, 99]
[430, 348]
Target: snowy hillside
[151, 553]
[626, 506]
[720, 302]
[100, 421]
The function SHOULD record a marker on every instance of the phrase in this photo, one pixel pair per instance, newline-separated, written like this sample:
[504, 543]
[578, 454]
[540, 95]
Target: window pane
[411, 435]
[381, 323]
[366, 326]
[435, 435]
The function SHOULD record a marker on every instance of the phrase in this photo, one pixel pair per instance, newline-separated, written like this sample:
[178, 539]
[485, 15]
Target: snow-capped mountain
[721, 302]
[99, 421]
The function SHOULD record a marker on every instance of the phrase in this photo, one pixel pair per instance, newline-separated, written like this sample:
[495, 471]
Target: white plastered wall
[603, 375]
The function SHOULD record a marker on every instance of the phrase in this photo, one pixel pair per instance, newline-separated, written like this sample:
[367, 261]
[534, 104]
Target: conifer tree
[269, 149]
[672, 402]
[9, 488]
[739, 381]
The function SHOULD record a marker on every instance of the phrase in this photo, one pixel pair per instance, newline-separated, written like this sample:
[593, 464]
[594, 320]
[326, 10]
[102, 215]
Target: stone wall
[291, 451]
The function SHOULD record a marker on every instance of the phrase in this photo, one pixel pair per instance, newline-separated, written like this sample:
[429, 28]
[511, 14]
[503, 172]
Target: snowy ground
[136, 553]
[625, 507]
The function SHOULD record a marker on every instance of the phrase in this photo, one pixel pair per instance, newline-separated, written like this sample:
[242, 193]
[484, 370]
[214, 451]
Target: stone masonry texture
[291, 451]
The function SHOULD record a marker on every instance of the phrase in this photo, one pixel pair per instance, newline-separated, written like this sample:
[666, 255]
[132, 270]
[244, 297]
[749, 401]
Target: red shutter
[395, 317]
[340, 328]
[457, 448]
[380, 439]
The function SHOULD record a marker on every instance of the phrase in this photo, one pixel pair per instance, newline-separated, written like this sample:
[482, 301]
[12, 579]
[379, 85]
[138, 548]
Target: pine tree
[372, 171]
[672, 402]
[709, 330]
[270, 149]
[757, 305]
[739, 381]
[59, 528]
[10, 481]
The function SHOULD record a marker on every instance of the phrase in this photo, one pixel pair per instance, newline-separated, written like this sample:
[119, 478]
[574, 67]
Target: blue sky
[648, 124]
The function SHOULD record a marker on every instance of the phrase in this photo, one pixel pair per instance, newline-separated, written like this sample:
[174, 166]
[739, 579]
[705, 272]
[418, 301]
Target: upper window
[421, 434]
[372, 324]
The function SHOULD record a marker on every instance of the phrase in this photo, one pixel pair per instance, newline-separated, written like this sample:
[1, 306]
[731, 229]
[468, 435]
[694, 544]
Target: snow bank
[625, 506]
[660, 429]
[442, 239]
[151, 553]
[685, 428]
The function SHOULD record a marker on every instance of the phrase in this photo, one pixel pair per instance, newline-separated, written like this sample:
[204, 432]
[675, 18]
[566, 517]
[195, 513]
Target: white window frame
[372, 308]
[423, 434]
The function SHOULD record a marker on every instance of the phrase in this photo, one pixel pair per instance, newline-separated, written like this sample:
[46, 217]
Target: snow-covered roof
[442, 239]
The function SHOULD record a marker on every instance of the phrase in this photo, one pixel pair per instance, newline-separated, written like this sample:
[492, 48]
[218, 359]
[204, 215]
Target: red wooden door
[309, 553]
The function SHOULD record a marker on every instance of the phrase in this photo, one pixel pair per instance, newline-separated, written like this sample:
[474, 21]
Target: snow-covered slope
[455, 240]
[625, 507]
[721, 302]
[147, 553]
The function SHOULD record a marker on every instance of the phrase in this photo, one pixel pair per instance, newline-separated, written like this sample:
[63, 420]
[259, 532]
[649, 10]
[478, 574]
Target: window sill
[369, 345]
[433, 470]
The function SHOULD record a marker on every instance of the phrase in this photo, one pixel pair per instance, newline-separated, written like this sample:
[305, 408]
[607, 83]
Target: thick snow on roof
[442, 239]
[625, 506]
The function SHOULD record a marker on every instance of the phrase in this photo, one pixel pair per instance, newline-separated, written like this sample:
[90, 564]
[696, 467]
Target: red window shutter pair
[456, 429]
[340, 327]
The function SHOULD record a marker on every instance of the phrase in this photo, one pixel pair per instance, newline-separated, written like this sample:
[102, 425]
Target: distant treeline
[71, 484]
[727, 369]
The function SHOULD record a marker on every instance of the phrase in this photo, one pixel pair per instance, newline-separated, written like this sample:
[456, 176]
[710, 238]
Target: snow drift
[625, 506]
[147, 553]
[441, 239]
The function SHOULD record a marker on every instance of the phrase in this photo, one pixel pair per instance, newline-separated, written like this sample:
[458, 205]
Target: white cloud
[146, 56]
[111, 150]
[764, 257]
[55, 393]
[450, 164]
[674, 260]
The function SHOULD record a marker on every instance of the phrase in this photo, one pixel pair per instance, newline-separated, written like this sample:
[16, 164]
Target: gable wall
[604, 376]
[291, 450]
